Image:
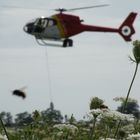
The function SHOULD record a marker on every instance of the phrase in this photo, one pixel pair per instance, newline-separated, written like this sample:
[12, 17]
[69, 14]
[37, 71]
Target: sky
[96, 66]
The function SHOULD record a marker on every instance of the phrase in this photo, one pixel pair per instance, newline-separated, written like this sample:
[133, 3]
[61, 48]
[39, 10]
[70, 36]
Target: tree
[9, 119]
[6, 118]
[2, 115]
[132, 106]
[23, 118]
[51, 115]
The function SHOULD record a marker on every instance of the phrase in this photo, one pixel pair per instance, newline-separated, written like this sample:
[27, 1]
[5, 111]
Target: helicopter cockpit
[41, 23]
[38, 25]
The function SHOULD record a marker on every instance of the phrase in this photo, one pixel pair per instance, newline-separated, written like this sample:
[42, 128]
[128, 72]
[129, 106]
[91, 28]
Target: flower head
[108, 139]
[97, 112]
[136, 136]
[3, 137]
[136, 51]
[66, 127]
[115, 115]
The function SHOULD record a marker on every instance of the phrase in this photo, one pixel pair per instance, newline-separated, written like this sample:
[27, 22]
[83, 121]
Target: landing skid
[43, 42]
[66, 43]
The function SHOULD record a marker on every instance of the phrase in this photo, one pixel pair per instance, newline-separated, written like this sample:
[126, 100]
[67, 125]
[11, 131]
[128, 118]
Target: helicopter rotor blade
[88, 7]
[59, 9]
[22, 8]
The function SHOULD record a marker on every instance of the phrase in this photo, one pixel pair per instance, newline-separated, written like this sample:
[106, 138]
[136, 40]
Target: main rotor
[61, 10]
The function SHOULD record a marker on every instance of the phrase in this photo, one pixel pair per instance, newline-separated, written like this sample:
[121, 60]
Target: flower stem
[4, 129]
[126, 100]
[93, 129]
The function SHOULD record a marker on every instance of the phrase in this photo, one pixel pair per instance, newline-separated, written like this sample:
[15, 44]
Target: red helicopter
[61, 26]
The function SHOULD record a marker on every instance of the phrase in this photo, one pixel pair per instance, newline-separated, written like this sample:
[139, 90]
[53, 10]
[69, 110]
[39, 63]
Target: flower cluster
[118, 116]
[108, 139]
[115, 115]
[96, 112]
[66, 127]
[132, 136]
[3, 137]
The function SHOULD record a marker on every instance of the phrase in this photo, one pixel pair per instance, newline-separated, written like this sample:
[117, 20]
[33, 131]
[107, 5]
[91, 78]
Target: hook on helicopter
[62, 26]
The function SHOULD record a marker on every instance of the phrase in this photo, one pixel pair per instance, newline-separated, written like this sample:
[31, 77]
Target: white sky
[97, 65]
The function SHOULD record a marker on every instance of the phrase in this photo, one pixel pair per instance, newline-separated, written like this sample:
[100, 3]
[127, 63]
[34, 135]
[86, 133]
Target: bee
[20, 92]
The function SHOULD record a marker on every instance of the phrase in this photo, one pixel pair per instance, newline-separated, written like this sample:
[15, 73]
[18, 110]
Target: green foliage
[124, 109]
[122, 99]
[36, 116]
[101, 127]
[23, 119]
[96, 103]
[6, 118]
[51, 115]
[131, 107]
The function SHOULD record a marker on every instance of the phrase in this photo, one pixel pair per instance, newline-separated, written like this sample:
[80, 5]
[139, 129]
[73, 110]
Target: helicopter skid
[66, 42]
[44, 42]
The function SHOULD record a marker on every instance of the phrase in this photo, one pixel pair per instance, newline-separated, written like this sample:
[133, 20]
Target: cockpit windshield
[45, 22]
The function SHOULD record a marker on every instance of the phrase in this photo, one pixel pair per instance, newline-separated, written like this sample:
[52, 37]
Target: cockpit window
[51, 22]
[45, 22]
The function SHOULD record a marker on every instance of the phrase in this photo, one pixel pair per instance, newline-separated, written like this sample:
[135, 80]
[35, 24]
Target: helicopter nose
[28, 28]
[25, 28]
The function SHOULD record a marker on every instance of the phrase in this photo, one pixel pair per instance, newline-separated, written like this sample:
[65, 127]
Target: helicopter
[62, 26]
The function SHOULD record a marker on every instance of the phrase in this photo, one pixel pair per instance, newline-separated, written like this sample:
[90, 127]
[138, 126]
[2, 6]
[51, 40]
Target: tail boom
[126, 30]
[98, 28]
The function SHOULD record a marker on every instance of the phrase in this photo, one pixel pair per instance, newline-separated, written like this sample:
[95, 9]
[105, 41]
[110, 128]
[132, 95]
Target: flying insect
[62, 26]
[20, 92]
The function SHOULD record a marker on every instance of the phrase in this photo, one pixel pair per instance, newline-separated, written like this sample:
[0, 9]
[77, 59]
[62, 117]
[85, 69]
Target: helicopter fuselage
[63, 26]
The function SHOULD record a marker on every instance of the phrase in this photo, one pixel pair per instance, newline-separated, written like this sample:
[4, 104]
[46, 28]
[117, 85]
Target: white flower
[137, 136]
[62, 127]
[86, 129]
[118, 116]
[59, 134]
[3, 137]
[129, 128]
[97, 112]
[108, 139]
